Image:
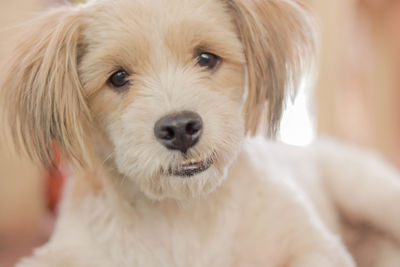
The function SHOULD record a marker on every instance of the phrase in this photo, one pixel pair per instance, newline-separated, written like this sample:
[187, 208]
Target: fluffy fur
[259, 204]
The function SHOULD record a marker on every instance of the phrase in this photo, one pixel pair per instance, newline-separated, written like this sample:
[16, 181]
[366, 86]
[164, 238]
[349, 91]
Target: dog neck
[108, 184]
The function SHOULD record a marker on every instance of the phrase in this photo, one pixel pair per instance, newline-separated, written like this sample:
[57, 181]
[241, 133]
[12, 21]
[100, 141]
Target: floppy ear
[278, 41]
[43, 95]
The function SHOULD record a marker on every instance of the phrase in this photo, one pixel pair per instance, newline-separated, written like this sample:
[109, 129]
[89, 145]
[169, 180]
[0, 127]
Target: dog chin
[189, 181]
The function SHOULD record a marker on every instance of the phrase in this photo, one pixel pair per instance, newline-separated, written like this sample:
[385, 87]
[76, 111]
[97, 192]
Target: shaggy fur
[259, 204]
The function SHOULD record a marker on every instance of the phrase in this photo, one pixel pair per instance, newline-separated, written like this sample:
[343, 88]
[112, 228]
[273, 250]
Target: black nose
[179, 131]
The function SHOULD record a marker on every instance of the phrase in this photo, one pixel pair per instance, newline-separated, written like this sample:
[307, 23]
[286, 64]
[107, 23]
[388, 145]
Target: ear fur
[278, 40]
[43, 94]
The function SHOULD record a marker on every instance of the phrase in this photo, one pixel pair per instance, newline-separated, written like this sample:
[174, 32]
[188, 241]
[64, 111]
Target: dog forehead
[159, 14]
[144, 31]
[162, 8]
[149, 20]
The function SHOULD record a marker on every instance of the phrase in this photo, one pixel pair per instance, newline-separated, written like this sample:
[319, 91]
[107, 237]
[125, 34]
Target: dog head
[163, 90]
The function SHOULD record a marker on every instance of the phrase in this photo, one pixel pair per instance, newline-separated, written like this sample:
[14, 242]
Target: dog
[158, 107]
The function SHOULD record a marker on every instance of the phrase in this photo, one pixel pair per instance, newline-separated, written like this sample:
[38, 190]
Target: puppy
[153, 104]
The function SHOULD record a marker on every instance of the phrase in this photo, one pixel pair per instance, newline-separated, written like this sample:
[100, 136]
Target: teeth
[192, 161]
[191, 167]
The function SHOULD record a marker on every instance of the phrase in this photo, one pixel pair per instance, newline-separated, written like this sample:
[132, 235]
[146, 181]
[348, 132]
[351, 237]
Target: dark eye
[119, 79]
[208, 60]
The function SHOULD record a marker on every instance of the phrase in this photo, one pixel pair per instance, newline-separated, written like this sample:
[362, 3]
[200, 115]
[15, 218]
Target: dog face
[171, 93]
[164, 90]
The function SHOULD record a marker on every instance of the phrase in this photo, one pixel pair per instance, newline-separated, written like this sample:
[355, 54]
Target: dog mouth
[191, 167]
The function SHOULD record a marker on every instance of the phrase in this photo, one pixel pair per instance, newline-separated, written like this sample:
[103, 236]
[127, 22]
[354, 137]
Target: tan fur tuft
[44, 98]
[278, 40]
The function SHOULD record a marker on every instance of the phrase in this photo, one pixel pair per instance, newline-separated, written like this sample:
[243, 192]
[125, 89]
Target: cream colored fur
[259, 204]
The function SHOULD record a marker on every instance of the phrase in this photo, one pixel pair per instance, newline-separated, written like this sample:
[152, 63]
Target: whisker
[108, 157]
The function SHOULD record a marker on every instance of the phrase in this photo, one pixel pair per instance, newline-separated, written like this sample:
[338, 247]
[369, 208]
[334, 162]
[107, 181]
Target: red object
[56, 179]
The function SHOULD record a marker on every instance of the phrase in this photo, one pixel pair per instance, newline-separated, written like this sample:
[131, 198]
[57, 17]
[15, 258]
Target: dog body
[240, 224]
[151, 102]
[278, 207]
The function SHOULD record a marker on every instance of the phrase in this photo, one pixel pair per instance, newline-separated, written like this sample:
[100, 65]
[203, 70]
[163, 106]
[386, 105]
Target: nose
[179, 131]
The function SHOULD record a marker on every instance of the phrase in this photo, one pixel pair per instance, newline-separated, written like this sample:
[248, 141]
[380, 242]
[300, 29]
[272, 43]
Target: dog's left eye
[119, 79]
[208, 60]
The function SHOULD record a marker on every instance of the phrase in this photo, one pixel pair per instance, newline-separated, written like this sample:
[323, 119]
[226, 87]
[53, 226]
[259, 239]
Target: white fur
[259, 204]
[280, 206]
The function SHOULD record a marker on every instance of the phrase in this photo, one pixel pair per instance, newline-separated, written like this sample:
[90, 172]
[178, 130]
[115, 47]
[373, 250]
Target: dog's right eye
[208, 60]
[119, 79]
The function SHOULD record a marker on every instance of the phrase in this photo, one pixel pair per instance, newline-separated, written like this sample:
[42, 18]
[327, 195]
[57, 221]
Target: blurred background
[355, 98]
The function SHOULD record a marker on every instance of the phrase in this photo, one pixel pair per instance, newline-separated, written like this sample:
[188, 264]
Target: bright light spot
[296, 126]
